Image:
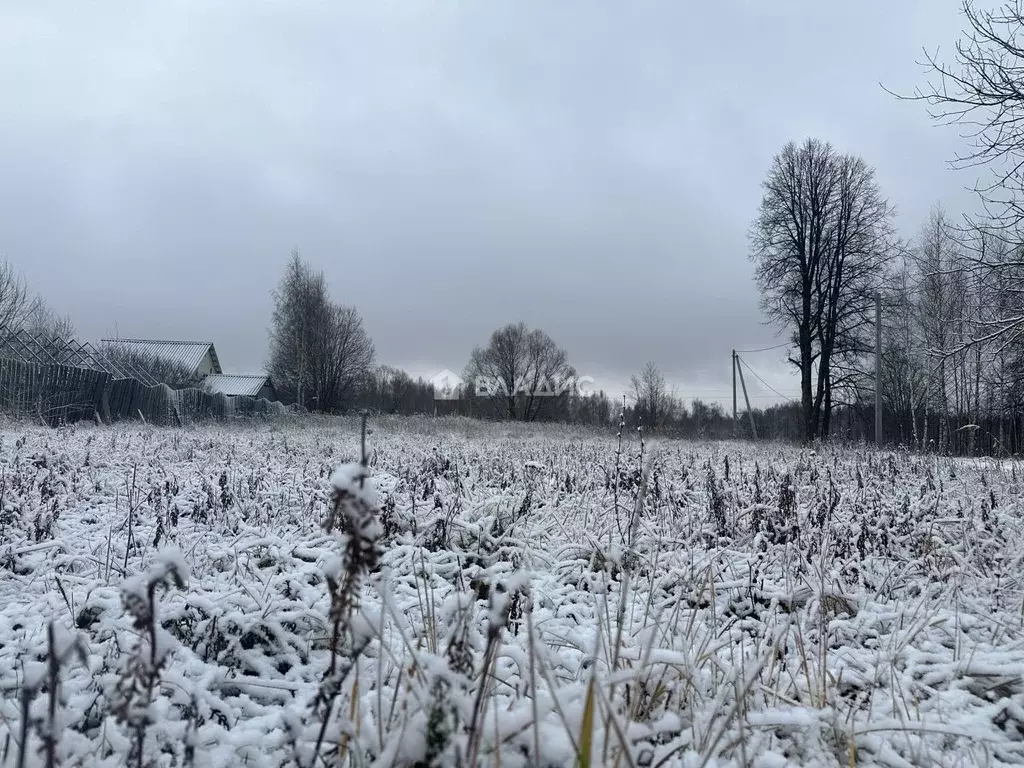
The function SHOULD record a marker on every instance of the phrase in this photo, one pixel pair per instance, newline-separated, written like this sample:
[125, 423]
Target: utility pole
[734, 413]
[750, 411]
[878, 368]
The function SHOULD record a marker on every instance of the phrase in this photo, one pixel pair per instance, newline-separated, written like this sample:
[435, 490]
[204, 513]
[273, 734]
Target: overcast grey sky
[590, 167]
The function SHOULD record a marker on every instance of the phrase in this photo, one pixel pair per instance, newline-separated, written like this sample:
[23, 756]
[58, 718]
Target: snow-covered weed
[458, 593]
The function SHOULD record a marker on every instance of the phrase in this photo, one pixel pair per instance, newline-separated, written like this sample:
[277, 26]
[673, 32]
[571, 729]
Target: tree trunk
[806, 395]
[826, 413]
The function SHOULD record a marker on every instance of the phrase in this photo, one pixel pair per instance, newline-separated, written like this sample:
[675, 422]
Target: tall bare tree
[548, 373]
[820, 243]
[500, 367]
[939, 307]
[319, 350]
[523, 369]
[298, 299]
[342, 358]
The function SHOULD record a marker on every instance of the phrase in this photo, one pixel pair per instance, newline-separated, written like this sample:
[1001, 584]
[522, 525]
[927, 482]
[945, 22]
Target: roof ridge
[163, 341]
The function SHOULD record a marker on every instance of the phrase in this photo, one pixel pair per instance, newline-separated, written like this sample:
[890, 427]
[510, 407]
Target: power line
[725, 396]
[764, 349]
[773, 389]
[722, 392]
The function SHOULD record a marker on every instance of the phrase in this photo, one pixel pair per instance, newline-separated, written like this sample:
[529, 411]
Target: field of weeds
[495, 595]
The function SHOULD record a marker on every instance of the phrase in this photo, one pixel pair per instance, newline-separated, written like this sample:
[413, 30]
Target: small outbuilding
[241, 384]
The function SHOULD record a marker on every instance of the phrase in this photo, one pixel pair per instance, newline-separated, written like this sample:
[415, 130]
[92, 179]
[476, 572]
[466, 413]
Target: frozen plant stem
[131, 516]
[53, 666]
[498, 619]
[618, 458]
[355, 512]
[56, 658]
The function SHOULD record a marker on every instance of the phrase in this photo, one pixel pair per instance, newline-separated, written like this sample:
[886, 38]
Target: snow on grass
[776, 606]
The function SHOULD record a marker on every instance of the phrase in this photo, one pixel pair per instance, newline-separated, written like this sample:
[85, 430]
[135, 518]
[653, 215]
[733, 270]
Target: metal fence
[52, 350]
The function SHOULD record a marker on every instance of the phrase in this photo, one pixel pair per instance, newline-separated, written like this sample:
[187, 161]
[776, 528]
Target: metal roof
[185, 353]
[236, 383]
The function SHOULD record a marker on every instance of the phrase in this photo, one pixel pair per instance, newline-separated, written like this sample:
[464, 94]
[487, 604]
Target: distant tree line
[520, 373]
[953, 361]
[322, 357]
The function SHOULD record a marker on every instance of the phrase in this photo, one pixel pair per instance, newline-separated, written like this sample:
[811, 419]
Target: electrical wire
[756, 376]
[764, 349]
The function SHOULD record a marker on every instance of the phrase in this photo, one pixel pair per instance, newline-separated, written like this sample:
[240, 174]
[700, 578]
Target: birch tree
[319, 351]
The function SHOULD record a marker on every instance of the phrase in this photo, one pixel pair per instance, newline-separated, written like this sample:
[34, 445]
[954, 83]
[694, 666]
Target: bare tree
[20, 310]
[500, 366]
[319, 350]
[342, 357]
[1002, 300]
[904, 364]
[548, 373]
[820, 243]
[391, 390]
[938, 307]
[29, 318]
[982, 90]
[298, 299]
[971, 304]
[16, 301]
[946, 371]
[521, 368]
[49, 327]
[654, 403]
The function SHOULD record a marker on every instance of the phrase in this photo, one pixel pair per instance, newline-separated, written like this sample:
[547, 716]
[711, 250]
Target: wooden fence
[59, 394]
[129, 399]
[53, 393]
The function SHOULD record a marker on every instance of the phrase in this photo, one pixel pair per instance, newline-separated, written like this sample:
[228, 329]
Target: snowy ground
[754, 605]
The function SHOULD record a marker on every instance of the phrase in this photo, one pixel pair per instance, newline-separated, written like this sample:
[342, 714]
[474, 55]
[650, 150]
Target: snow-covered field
[533, 605]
